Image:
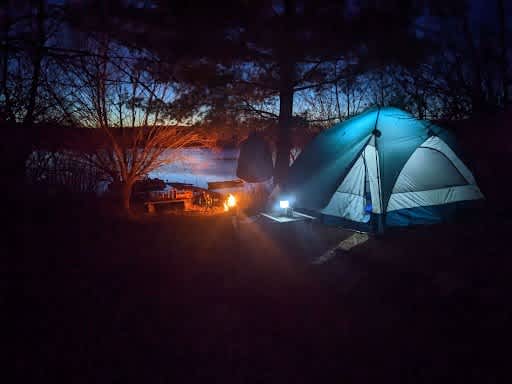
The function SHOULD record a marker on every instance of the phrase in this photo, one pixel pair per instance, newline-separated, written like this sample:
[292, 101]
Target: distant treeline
[55, 137]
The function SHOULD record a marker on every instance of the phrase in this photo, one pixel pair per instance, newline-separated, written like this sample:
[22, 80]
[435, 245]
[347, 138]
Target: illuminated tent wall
[382, 168]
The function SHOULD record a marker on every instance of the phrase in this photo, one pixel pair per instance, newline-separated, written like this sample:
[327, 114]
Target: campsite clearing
[166, 293]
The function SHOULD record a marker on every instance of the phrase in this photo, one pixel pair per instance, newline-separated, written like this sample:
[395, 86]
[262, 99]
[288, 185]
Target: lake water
[198, 166]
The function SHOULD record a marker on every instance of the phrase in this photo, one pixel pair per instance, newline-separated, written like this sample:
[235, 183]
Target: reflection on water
[198, 166]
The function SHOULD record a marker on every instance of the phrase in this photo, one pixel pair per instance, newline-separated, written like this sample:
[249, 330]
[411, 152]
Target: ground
[104, 298]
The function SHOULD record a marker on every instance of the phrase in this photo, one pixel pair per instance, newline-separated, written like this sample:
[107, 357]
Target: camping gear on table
[379, 169]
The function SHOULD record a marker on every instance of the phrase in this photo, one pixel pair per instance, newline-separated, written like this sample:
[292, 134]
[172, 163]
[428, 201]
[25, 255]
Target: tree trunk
[36, 63]
[338, 108]
[285, 122]
[348, 98]
[27, 135]
[477, 97]
[286, 79]
[9, 114]
[503, 53]
[126, 194]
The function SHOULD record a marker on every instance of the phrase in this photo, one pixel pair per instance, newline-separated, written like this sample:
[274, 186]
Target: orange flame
[230, 202]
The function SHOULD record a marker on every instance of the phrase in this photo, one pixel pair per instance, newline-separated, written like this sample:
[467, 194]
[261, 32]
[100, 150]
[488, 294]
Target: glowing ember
[230, 202]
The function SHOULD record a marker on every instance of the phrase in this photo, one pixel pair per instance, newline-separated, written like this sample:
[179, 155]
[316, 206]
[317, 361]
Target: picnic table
[151, 206]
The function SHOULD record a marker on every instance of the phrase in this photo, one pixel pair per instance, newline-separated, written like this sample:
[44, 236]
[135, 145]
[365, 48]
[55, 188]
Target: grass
[100, 298]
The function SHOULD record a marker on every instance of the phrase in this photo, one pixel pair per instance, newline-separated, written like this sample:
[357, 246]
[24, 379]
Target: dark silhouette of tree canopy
[259, 63]
[27, 29]
[241, 52]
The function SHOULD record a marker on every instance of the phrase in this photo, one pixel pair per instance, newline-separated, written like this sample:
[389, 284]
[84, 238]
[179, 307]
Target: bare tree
[131, 114]
[26, 28]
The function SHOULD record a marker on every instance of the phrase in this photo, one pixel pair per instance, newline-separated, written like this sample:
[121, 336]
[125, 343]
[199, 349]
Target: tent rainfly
[380, 169]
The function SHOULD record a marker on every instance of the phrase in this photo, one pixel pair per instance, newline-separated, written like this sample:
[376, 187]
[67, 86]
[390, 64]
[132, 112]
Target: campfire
[230, 202]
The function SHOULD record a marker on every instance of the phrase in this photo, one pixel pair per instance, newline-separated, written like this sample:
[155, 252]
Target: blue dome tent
[379, 169]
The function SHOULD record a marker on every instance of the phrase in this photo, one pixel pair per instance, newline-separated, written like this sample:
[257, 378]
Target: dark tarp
[255, 161]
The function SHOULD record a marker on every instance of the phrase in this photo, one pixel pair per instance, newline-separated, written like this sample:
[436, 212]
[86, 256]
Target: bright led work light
[285, 204]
